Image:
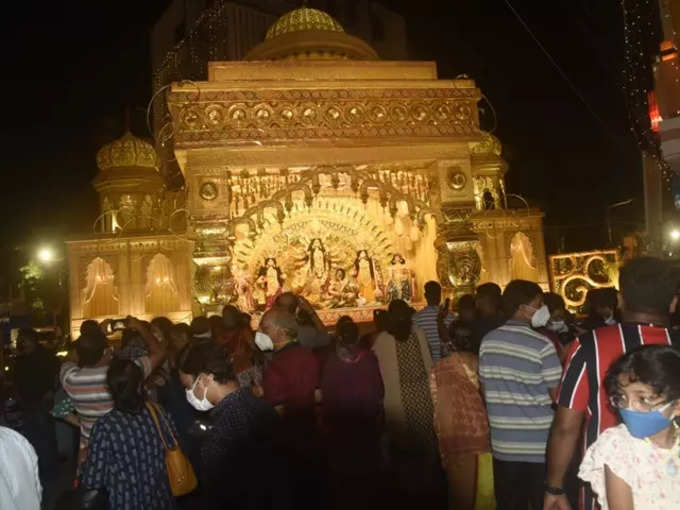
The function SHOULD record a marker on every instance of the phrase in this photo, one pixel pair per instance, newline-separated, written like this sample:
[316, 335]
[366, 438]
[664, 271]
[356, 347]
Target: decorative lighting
[675, 234]
[640, 33]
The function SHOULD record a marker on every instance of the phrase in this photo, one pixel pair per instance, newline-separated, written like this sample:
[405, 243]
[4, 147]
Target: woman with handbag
[239, 468]
[128, 450]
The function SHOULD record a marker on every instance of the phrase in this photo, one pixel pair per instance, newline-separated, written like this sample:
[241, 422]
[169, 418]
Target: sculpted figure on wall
[100, 296]
[523, 261]
[400, 282]
[161, 294]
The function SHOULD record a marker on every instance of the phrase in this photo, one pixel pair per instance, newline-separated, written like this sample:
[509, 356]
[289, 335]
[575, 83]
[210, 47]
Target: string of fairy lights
[641, 44]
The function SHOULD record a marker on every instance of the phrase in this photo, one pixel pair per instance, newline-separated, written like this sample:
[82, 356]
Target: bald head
[280, 326]
[287, 301]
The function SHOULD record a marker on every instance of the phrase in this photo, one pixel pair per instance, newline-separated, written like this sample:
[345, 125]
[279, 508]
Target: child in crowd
[636, 465]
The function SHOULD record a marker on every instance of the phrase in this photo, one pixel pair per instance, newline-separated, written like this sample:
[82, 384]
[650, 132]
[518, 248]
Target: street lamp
[675, 234]
[46, 254]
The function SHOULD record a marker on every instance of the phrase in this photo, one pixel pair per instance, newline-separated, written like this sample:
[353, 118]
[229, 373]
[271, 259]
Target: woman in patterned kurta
[126, 457]
[405, 362]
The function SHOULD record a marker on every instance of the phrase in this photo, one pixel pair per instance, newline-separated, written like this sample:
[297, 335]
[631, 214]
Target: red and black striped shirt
[588, 361]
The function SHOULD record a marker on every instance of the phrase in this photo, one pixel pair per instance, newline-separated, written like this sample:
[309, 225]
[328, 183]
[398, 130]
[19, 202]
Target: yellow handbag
[180, 472]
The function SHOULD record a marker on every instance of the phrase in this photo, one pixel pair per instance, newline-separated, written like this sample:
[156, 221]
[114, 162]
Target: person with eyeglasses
[637, 463]
[647, 298]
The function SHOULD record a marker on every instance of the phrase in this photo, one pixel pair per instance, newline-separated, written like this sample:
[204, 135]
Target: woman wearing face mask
[238, 448]
[636, 465]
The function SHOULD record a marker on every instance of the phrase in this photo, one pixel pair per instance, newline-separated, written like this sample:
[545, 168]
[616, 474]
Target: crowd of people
[477, 406]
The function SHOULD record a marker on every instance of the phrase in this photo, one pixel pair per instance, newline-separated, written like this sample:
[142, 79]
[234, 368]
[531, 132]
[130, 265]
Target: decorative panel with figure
[100, 296]
[523, 261]
[161, 294]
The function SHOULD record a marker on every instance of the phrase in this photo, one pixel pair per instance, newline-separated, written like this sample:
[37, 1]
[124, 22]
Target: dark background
[71, 67]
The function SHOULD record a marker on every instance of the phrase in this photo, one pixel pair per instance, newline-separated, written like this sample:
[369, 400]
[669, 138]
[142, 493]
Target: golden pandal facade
[315, 167]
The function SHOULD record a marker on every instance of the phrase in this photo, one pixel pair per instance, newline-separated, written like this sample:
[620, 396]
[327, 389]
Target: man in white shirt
[19, 482]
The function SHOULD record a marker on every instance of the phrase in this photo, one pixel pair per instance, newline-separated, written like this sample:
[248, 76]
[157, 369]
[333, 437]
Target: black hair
[200, 325]
[401, 258]
[164, 324]
[655, 365]
[489, 289]
[206, 358]
[553, 301]
[400, 320]
[29, 334]
[90, 347]
[517, 293]
[648, 284]
[124, 379]
[600, 298]
[465, 302]
[88, 326]
[381, 320]
[341, 270]
[347, 331]
[433, 293]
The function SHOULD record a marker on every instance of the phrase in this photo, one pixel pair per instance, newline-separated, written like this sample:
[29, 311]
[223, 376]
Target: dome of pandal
[489, 144]
[127, 151]
[301, 19]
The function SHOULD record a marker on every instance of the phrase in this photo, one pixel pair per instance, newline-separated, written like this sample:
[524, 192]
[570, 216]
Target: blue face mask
[644, 424]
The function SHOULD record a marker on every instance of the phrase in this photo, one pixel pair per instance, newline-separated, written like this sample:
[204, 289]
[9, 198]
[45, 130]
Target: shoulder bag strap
[161, 413]
[154, 417]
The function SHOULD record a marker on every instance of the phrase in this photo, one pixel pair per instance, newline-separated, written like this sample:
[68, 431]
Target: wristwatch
[555, 491]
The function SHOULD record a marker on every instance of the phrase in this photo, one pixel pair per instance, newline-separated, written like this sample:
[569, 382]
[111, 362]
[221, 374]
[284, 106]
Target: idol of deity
[341, 292]
[270, 280]
[314, 272]
[364, 275]
[243, 283]
[400, 279]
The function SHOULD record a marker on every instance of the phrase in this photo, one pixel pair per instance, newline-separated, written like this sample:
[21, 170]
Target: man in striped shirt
[648, 289]
[84, 376]
[427, 319]
[519, 371]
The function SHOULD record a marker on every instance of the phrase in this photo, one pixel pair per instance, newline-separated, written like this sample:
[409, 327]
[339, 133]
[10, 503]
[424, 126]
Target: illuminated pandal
[310, 166]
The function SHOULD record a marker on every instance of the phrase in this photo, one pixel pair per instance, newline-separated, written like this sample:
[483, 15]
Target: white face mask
[558, 326]
[610, 321]
[263, 341]
[540, 317]
[200, 405]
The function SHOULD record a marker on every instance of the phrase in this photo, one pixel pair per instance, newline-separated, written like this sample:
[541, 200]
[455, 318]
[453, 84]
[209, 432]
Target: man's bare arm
[562, 443]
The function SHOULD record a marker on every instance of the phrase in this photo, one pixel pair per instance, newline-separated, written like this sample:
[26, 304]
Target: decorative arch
[100, 295]
[161, 294]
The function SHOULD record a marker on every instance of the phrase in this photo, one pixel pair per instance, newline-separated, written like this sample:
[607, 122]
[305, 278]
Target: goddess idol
[365, 277]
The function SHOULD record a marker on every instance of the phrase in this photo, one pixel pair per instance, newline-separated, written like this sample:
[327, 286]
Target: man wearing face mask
[648, 296]
[290, 384]
[519, 371]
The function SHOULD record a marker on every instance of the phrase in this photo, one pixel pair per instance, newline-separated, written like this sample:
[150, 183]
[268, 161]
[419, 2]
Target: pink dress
[652, 473]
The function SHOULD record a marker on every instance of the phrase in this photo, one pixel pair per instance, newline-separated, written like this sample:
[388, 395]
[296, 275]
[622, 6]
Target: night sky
[71, 67]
